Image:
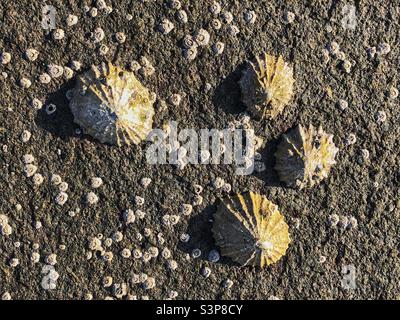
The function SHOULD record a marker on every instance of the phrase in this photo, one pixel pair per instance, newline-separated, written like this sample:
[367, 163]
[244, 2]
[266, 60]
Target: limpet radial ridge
[112, 106]
[267, 86]
[249, 229]
[305, 156]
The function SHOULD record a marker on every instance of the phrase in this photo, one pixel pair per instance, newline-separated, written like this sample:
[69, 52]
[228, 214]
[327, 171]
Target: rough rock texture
[367, 190]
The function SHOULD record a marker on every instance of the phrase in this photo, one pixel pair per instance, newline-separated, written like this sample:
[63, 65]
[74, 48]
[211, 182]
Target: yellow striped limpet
[249, 229]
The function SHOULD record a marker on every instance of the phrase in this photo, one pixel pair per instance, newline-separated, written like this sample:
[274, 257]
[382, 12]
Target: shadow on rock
[61, 122]
[227, 95]
[269, 175]
[201, 237]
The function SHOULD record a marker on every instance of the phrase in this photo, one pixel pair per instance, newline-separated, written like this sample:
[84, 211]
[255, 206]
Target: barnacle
[305, 156]
[267, 86]
[111, 105]
[250, 230]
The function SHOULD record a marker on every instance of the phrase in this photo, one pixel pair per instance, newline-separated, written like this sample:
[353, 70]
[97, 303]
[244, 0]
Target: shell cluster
[267, 86]
[305, 156]
[112, 106]
[249, 229]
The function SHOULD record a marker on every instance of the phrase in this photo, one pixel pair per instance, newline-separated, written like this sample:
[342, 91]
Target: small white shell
[214, 8]
[227, 17]
[188, 42]
[120, 37]
[5, 57]
[44, 78]
[202, 37]
[190, 54]
[233, 30]
[182, 16]
[25, 83]
[165, 26]
[216, 24]
[98, 35]
[71, 20]
[250, 17]
[58, 34]
[218, 48]
[31, 54]
[55, 71]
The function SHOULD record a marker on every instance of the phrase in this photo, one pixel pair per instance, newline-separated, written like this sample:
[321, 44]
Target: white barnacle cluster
[221, 20]
[224, 20]
[144, 67]
[378, 51]
[192, 42]
[165, 26]
[30, 169]
[342, 221]
[180, 14]
[147, 69]
[170, 220]
[25, 82]
[219, 184]
[60, 188]
[54, 72]
[333, 50]
[5, 228]
[50, 277]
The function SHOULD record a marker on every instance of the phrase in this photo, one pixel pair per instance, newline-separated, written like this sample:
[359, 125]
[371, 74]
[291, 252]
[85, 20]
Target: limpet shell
[112, 106]
[305, 156]
[267, 86]
[249, 229]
